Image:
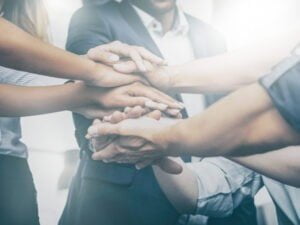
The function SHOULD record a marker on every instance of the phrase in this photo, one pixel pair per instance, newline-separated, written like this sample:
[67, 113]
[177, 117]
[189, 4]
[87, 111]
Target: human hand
[110, 151]
[154, 132]
[105, 76]
[132, 95]
[159, 76]
[99, 143]
[101, 102]
[93, 111]
[117, 51]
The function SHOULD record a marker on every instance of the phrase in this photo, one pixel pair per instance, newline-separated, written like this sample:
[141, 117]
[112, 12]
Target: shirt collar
[181, 25]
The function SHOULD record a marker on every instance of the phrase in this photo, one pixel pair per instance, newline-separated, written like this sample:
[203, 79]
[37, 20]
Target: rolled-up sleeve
[283, 86]
[223, 185]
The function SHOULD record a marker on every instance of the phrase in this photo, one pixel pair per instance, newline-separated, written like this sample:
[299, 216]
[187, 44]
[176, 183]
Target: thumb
[138, 101]
[102, 129]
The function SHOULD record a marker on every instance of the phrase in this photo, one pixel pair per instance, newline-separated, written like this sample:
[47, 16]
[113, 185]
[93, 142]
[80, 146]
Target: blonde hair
[29, 15]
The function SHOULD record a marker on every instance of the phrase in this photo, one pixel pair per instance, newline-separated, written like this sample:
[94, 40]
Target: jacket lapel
[138, 27]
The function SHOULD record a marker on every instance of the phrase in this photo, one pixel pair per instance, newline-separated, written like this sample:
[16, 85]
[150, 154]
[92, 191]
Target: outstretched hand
[114, 53]
[157, 75]
[111, 148]
[129, 149]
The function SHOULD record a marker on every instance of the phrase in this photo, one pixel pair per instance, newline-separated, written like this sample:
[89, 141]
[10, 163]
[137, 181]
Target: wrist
[74, 92]
[167, 141]
[91, 71]
[87, 94]
[174, 77]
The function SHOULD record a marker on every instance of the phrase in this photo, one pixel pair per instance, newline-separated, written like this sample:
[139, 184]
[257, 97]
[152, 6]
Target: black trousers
[18, 202]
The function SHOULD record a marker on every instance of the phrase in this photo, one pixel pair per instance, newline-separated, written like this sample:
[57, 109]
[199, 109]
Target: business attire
[114, 194]
[18, 203]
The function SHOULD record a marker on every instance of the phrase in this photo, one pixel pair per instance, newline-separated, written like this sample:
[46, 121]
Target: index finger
[147, 55]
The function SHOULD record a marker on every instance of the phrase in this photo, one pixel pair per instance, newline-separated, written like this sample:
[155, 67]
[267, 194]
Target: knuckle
[136, 85]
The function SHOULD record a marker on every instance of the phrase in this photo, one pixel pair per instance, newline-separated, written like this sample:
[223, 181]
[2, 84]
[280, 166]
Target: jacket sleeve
[88, 29]
[283, 86]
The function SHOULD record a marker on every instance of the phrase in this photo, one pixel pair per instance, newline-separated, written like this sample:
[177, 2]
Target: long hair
[29, 15]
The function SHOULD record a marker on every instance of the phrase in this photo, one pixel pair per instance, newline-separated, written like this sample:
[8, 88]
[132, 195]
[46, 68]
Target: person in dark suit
[114, 194]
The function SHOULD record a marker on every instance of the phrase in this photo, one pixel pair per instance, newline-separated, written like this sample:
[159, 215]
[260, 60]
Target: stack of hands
[134, 83]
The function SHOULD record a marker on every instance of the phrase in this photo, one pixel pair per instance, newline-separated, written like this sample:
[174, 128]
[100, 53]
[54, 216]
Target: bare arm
[19, 101]
[235, 69]
[16, 101]
[243, 123]
[21, 51]
[281, 165]
[225, 72]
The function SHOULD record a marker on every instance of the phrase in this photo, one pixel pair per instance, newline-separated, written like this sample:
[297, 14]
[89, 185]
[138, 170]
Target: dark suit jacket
[119, 21]
[99, 24]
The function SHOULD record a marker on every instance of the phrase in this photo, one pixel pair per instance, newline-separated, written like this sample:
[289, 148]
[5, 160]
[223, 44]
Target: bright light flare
[244, 22]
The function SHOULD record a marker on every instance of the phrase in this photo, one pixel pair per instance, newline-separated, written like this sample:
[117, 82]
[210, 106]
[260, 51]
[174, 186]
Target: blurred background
[49, 137]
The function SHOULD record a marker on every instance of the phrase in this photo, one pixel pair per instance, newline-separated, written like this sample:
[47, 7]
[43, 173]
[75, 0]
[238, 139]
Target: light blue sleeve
[223, 185]
[15, 77]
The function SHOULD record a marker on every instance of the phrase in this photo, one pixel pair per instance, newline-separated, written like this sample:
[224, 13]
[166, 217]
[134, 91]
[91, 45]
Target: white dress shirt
[176, 48]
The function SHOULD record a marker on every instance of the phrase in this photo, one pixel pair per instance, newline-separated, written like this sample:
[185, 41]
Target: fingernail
[143, 68]
[181, 105]
[107, 118]
[174, 112]
[138, 167]
[96, 121]
[114, 58]
[162, 106]
[87, 136]
[92, 131]
[127, 109]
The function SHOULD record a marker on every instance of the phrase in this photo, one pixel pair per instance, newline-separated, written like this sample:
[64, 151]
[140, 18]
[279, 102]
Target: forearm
[181, 189]
[281, 165]
[207, 134]
[21, 51]
[17, 101]
[233, 70]
[242, 123]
